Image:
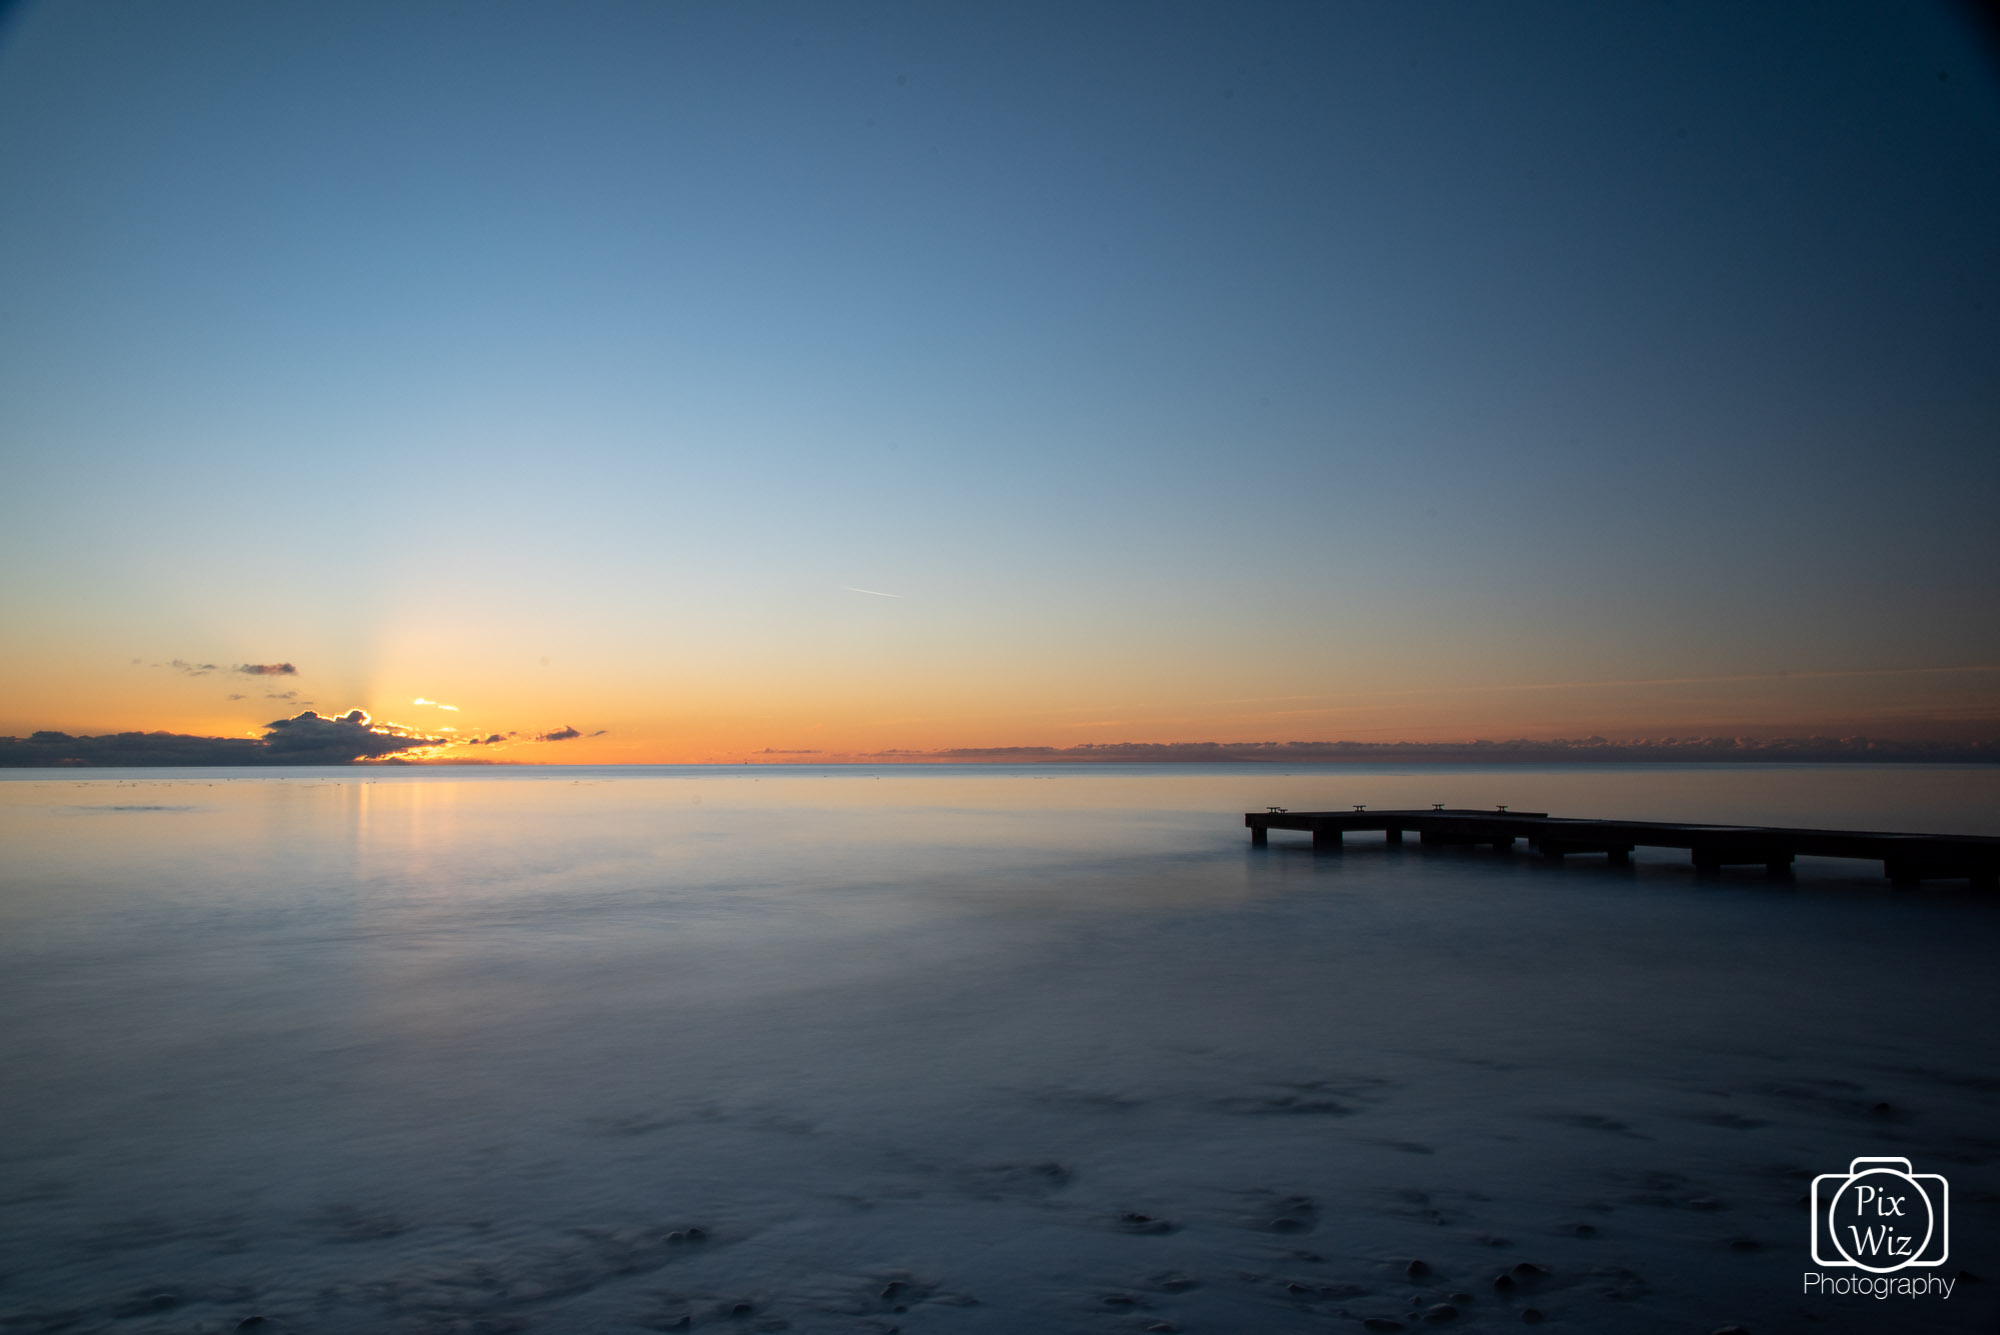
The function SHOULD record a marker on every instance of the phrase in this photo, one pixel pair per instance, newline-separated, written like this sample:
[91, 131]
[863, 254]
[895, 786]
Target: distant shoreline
[163, 750]
[1593, 751]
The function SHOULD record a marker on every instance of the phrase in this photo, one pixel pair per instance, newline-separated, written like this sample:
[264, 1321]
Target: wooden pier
[1907, 859]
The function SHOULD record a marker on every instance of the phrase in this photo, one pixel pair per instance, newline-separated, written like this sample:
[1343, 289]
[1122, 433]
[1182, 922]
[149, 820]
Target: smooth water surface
[961, 1049]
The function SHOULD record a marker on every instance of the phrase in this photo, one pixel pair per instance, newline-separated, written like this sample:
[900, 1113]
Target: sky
[723, 381]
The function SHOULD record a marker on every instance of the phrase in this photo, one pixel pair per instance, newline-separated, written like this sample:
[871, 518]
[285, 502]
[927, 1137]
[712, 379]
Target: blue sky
[1158, 356]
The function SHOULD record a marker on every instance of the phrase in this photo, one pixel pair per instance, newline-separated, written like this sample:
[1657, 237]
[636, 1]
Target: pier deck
[1907, 859]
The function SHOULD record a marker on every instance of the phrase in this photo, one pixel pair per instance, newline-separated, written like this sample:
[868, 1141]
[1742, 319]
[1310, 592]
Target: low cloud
[1592, 750]
[562, 734]
[484, 741]
[236, 697]
[303, 739]
[276, 695]
[193, 669]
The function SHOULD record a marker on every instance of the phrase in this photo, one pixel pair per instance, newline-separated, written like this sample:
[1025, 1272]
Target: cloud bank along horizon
[696, 381]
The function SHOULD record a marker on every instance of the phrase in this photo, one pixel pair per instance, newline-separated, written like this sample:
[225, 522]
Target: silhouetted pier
[1907, 859]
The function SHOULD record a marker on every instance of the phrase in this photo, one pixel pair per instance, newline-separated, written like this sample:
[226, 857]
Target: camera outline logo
[1877, 1200]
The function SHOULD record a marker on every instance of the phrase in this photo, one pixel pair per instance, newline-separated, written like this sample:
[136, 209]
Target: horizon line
[166, 750]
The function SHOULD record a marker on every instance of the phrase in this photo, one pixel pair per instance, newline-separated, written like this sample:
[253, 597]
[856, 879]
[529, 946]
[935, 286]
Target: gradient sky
[1187, 372]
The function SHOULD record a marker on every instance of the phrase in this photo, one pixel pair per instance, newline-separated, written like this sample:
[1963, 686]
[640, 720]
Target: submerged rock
[146, 1304]
[1134, 1222]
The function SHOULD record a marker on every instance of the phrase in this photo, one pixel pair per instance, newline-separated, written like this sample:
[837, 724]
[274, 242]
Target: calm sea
[957, 1049]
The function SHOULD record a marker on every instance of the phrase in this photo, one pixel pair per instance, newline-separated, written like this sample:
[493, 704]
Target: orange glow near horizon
[729, 710]
[806, 730]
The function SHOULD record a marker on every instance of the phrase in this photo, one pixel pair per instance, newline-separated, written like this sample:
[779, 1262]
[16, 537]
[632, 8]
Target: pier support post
[1324, 840]
[1392, 835]
[1706, 863]
[1259, 836]
[1779, 866]
[1618, 857]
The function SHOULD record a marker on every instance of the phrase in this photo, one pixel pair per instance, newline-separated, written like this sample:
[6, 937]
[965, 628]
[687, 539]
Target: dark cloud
[600, 732]
[236, 697]
[562, 734]
[769, 751]
[247, 669]
[338, 740]
[304, 739]
[486, 741]
[278, 695]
